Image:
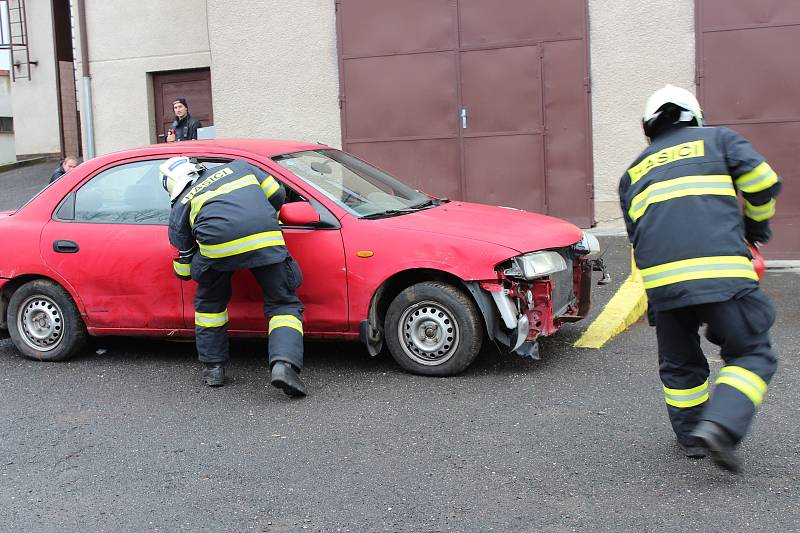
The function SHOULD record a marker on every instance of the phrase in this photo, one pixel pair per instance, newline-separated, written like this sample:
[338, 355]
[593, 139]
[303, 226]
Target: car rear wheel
[44, 323]
[433, 329]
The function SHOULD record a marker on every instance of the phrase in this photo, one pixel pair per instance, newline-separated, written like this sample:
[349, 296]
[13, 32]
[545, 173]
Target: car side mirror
[298, 214]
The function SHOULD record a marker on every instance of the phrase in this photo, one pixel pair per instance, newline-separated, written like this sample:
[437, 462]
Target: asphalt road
[124, 437]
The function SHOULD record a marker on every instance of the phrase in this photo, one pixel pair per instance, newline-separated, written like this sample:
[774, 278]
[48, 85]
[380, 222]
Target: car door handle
[65, 247]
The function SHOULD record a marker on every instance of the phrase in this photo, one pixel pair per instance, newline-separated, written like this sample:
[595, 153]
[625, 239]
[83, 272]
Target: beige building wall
[636, 47]
[125, 46]
[8, 153]
[35, 101]
[274, 69]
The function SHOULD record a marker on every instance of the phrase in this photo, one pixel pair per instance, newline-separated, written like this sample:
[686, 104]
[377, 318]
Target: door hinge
[341, 101]
[587, 82]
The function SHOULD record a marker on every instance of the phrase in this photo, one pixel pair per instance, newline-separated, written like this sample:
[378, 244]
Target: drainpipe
[88, 118]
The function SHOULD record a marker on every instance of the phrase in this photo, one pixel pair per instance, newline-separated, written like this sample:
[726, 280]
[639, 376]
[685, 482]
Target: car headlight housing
[536, 265]
[588, 247]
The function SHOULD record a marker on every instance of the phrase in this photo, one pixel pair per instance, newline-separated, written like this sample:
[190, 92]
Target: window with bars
[6, 124]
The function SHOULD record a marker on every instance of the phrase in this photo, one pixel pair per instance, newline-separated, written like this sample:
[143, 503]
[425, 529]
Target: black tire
[44, 323]
[433, 329]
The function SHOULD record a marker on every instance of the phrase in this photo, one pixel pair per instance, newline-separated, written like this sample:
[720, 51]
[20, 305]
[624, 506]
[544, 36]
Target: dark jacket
[57, 173]
[186, 128]
[228, 219]
[679, 201]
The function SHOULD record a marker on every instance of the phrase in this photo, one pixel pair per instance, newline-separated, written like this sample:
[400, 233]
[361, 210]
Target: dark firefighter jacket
[227, 219]
[679, 200]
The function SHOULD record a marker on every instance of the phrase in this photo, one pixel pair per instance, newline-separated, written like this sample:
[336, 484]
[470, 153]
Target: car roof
[257, 147]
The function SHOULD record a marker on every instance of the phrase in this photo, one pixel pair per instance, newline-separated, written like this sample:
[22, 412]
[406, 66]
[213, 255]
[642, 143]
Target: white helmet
[177, 173]
[669, 94]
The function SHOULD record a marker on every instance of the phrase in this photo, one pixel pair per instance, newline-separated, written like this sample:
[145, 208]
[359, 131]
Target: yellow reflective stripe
[270, 186]
[726, 266]
[211, 320]
[245, 244]
[678, 188]
[285, 321]
[683, 404]
[182, 269]
[759, 212]
[667, 155]
[684, 398]
[198, 201]
[748, 383]
[760, 178]
[733, 259]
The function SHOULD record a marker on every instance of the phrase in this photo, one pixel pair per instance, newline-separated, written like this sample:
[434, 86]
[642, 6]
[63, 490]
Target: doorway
[194, 85]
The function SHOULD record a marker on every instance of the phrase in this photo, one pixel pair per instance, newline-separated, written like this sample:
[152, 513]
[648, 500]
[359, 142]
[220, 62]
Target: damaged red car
[383, 263]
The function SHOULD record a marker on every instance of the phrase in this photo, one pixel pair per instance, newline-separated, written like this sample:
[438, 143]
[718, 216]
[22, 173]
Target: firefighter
[224, 220]
[690, 239]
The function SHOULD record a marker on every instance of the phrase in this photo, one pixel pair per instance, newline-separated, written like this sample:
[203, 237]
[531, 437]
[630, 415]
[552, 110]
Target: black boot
[720, 445]
[285, 377]
[213, 374]
[694, 449]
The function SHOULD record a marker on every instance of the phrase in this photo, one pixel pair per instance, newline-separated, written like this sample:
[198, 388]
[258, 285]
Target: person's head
[180, 107]
[68, 163]
[177, 173]
[670, 106]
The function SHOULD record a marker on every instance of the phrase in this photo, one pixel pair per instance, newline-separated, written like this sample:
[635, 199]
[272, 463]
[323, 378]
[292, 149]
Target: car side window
[126, 194]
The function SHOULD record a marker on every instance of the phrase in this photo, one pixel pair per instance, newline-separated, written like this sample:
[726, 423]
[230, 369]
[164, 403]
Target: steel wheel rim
[428, 333]
[40, 322]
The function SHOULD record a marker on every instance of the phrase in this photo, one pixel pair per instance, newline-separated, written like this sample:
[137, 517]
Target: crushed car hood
[513, 228]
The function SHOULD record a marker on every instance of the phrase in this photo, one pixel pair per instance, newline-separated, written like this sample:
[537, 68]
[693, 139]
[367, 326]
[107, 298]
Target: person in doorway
[690, 240]
[224, 222]
[184, 127]
[66, 164]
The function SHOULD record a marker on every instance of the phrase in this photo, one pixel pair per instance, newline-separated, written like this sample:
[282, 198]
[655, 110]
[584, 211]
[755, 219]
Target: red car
[381, 260]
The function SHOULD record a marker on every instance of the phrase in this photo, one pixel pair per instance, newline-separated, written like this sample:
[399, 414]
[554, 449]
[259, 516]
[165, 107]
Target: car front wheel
[44, 323]
[433, 329]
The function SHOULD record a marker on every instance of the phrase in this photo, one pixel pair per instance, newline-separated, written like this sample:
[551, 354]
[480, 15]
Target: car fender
[27, 272]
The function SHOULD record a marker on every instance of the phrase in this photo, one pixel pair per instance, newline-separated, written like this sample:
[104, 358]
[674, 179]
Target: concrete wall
[125, 46]
[636, 47]
[35, 101]
[274, 69]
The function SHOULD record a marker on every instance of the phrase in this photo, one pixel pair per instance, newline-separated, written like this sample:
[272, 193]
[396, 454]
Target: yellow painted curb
[625, 308]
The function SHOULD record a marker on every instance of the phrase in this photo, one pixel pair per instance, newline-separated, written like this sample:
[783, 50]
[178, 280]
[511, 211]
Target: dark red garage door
[478, 100]
[748, 79]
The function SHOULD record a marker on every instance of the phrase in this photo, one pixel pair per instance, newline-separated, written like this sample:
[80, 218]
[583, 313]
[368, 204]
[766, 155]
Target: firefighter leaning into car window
[224, 220]
[690, 241]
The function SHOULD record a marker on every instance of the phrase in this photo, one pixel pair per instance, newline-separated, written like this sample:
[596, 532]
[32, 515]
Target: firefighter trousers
[282, 307]
[741, 327]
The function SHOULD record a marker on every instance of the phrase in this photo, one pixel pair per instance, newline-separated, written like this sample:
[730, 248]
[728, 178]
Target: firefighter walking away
[223, 221]
[691, 243]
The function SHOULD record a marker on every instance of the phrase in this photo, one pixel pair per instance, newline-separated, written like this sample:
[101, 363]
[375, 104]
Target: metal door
[472, 99]
[747, 74]
[194, 85]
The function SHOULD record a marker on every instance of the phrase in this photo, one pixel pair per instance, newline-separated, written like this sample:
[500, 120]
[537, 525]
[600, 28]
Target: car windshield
[359, 188]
